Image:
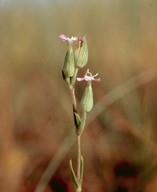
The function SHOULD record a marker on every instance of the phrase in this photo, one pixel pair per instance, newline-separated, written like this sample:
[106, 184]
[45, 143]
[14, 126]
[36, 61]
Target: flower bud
[87, 98]
[81, 53]
[69, 63]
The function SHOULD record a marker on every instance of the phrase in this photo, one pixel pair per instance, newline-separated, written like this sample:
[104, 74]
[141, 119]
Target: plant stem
[78, 140]
[78, 155]
[74, 99]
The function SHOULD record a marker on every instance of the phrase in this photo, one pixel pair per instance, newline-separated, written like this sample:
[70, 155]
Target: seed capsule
[87, 98]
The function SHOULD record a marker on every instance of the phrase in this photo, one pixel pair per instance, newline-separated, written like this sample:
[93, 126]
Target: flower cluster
[75, 59]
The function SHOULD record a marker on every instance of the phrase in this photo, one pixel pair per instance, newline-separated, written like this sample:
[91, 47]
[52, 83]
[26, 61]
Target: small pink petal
[80, 79]
[63, 37]
[89, 77]
[96, 79]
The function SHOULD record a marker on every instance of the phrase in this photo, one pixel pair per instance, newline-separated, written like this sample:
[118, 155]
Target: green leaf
[82, 124]
[74, 178]
[77, 120]
[81, 171]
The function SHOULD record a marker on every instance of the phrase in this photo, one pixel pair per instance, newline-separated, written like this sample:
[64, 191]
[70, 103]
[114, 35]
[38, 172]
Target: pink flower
[67, 39]
[89, 77]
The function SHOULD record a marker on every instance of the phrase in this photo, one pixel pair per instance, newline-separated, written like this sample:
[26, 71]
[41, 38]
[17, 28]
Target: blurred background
[36, 123]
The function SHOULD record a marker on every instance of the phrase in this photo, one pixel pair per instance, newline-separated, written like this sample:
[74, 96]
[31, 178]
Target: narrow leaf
[82, 123]
[74, 178]
[77, 120]
[81, 171]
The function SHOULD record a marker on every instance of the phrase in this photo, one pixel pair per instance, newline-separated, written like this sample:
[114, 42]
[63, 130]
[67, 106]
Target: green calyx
[69, 63]
[81, 54]
[87, 98]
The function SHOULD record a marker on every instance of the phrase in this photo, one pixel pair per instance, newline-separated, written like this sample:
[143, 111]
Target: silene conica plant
[75, 59]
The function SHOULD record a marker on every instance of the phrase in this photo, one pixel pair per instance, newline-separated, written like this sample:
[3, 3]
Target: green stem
[79, 189]
[78, 156]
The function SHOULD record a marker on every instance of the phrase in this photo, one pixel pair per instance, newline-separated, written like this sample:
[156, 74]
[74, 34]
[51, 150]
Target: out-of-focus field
[119, 143]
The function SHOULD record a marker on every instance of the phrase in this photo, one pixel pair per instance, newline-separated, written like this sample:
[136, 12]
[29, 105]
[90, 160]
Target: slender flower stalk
[75, 59]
